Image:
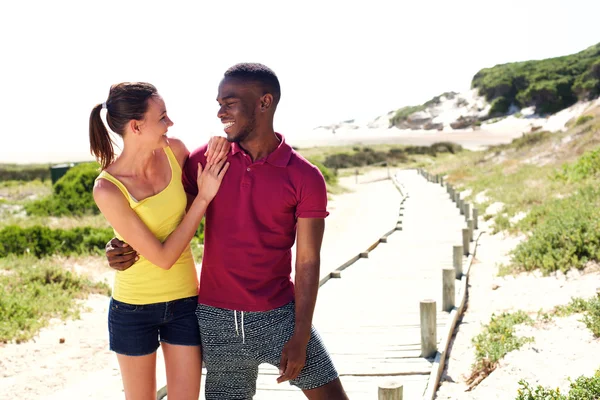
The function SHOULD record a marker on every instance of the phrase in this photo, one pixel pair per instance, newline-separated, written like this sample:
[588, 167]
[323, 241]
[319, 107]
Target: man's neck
[261, 145]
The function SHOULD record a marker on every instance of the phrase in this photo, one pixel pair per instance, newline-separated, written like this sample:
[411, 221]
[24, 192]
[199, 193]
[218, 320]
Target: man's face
[238, 104]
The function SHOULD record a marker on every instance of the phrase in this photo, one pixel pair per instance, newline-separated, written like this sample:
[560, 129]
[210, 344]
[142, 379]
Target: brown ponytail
[101, 144]
[126, 101]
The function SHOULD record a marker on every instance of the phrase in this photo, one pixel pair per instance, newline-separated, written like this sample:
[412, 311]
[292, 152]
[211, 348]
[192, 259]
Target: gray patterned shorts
[234, 344]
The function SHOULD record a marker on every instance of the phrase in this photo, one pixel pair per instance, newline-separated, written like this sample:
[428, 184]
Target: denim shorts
[136, 330]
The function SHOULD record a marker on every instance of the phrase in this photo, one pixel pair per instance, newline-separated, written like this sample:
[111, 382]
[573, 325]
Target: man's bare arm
[308, 264]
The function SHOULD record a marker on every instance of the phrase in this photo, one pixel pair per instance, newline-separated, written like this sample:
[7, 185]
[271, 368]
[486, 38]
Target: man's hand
[217, 150]
[120, 255]
[293, 358]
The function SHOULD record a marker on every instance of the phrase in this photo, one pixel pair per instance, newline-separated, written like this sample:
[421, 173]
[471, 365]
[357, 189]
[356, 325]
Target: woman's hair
[126, 101]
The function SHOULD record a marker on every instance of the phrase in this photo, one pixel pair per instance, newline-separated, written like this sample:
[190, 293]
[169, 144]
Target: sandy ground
[562, 348]
[71, 360]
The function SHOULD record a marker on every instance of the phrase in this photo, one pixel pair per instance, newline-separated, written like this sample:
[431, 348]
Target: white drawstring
[236, 326]
[235, 319]
[243, 334]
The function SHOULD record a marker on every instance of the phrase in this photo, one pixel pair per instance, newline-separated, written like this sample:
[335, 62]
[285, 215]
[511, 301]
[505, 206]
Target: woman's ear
[134, 126]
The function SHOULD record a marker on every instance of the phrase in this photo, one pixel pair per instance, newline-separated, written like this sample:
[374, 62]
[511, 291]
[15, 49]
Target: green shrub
[583, 119]
[589, 308]
[328, 175]
[500, 106]
[446, 147]
[586, 166]
[498, 338]
[72, 194]
[565, 233]
[583, 388]
[530, 139]
[403, 113]
[359, 159]
[42, 241]
[13, 172]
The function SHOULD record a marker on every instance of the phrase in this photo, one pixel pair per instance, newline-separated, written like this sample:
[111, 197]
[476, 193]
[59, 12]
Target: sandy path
[83, 368]
[562, 348]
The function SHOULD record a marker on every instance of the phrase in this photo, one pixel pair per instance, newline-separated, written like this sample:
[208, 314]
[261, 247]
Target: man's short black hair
[258, 73]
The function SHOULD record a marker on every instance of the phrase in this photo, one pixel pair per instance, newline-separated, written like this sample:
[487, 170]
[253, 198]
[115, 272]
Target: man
[249, 310]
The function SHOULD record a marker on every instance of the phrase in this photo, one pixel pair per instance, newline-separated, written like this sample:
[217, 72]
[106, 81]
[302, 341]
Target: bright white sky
[336, 60]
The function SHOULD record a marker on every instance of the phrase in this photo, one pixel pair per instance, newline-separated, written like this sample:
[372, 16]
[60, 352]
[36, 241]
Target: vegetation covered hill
[549, 85]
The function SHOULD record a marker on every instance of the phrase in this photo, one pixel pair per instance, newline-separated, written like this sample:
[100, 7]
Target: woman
[141, 195]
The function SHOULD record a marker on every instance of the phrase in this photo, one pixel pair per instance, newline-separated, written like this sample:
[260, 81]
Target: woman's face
[156, 122]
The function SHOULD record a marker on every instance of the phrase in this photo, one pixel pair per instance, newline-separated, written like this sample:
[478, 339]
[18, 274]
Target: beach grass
[32, 291]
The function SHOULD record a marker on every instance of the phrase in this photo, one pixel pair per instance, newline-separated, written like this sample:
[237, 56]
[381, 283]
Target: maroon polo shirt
[251, 226]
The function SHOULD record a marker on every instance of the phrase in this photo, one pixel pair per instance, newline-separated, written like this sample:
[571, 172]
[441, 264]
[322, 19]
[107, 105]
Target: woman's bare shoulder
[179, 149]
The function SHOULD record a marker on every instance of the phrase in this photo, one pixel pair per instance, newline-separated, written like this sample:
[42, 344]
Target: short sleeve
[190, 170]
[313, 195]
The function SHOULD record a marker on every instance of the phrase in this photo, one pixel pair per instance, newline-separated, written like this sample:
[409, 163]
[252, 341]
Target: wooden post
[428, 328]
[448, 297]
[475, 219]
[390, 391]
[456, 198]
[467, 211]
[460, 206]
[470, 226]
[457, 259]
[335, 274]
[442, 181]
[465, 238]
[162, 393]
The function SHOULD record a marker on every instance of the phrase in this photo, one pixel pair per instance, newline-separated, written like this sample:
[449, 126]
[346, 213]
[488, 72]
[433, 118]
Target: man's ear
[266, 101]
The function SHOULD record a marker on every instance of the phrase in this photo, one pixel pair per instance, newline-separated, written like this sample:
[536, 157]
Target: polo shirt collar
[280, 157]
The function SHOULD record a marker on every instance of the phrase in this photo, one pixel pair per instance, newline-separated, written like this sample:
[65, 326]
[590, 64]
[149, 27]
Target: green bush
[367, 156]
[500, 106]
[13, 172]
[42, 241]
[586, 166]
[498, 338]
[565, 233]
[328, 175]
[403, 113]
[359, 159]
[583, 388]
[589, 308]
[528, 140]
[446, 147]
[72, 194]
[583, 119]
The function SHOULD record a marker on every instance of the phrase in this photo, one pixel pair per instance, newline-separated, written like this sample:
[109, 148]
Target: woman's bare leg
[184, 371]
[139, 376]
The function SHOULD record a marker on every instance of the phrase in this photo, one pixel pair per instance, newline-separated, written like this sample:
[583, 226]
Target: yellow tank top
[144, 282]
